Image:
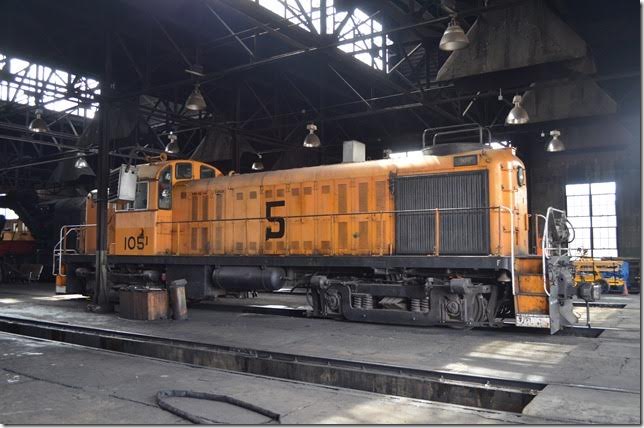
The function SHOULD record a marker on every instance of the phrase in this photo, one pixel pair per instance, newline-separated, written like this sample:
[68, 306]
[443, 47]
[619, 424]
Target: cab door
[135, 224]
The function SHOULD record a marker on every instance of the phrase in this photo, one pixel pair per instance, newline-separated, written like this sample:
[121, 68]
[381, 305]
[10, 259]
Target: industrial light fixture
[555, 144]
[173, 146]
[258, 165]
[38, 124]
[81, 162]
[311, 139]
[195, 100]
[518, 115]
[454, 38]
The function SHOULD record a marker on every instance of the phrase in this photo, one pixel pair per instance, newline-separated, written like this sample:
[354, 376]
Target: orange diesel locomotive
[442, 239]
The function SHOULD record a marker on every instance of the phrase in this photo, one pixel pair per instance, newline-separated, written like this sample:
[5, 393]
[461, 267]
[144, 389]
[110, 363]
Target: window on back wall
[591, 210]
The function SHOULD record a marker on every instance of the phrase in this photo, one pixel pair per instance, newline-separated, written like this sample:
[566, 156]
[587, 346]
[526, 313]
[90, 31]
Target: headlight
[520, 176]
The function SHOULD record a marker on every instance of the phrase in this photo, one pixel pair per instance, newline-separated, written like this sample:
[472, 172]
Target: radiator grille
[193, 238]
[363, 197]
[219, 211]
[342, 198]
[363, 235]
[204, 207]
[205, 245]
[381, 194]
[219, 244]
[464, 232]
[195, 202]
[342, 235]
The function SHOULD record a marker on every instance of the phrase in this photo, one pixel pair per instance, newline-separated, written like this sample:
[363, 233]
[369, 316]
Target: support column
[236, 151]
[101, 298]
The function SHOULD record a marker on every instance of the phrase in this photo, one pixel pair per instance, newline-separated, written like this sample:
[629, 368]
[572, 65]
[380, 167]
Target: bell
[504, 277]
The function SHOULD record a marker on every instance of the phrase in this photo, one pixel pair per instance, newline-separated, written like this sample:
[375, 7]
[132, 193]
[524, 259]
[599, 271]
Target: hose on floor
[163, 395]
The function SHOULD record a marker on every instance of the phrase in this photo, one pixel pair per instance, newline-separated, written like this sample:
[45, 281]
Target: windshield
[165, 188]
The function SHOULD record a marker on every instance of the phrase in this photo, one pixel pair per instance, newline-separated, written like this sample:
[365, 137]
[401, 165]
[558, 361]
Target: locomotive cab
[144, 226]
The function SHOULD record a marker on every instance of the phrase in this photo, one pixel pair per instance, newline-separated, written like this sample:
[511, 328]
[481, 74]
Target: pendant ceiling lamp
[81, 162]
[258, 165]
[311, 140]
[555, 144]
[454, 38]
[38, 124]
[173, 145]
[195, 101]
[518, 115]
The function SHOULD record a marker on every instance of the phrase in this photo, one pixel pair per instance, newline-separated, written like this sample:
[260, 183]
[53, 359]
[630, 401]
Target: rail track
[460, 389]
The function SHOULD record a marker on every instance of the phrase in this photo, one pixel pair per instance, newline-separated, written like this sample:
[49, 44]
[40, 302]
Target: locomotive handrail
[449, 130]
[414, 211]
[537, 216]
[433, 211]
[60, 248]
[65, 230]
[502, 207]
[545, 247]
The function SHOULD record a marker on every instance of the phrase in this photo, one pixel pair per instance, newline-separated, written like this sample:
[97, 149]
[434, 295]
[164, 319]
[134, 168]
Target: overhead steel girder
[339, 57]
[256, 13]
[36, 142]
[24, 129]
[230, 30]
[43, 162]
[207, 123]
[172, 42]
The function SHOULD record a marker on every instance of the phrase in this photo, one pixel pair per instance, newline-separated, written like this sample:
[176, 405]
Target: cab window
[165, 189]
[183, 171]
[140, 199]
[140, 202]
[205, 172]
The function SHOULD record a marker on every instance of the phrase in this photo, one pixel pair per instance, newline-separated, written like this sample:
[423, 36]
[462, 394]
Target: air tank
[248, 278]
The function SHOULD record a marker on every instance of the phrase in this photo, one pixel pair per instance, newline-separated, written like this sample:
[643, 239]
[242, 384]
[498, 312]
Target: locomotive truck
[442, 239]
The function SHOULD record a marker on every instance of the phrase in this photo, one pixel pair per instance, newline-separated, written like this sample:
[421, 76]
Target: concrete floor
[589, 379]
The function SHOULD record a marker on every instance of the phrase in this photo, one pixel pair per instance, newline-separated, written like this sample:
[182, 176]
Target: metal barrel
[177, 291]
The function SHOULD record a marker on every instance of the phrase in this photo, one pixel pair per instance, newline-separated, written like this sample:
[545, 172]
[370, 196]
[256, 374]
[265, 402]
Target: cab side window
[141, 197]
[205, 172]
[184, 171]
[165, 189]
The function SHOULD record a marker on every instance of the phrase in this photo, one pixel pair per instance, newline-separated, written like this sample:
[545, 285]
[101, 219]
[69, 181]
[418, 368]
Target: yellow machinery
[442, 239]
[611, 274]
